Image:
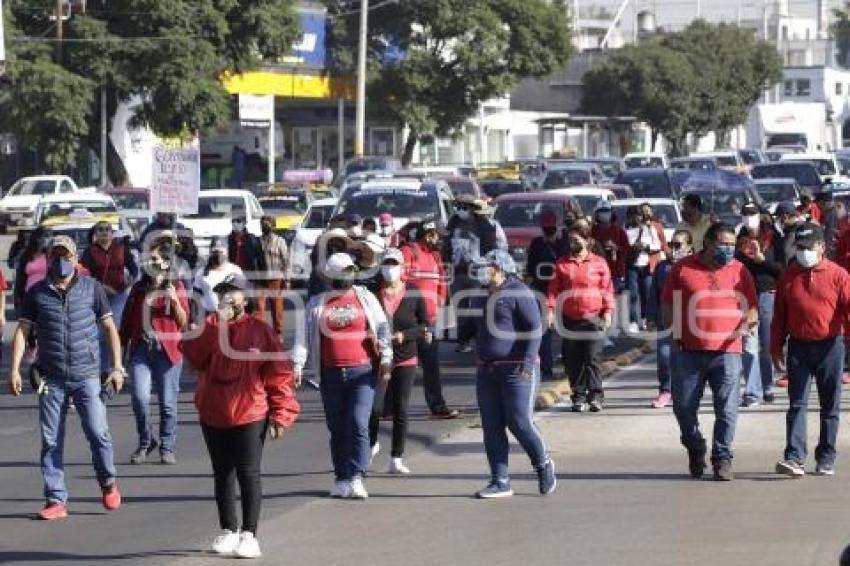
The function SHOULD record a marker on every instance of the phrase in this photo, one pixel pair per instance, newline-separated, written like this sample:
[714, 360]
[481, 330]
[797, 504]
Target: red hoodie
[233, 391]
[424, 268]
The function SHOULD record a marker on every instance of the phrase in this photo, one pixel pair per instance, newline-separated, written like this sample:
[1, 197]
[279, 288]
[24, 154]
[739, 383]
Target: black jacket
[411, 319]
[256, 257]
[767, 273]
[540, 266]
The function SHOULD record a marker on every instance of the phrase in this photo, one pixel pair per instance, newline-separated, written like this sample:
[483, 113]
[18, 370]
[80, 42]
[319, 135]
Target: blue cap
[500, 259]
[785, 207]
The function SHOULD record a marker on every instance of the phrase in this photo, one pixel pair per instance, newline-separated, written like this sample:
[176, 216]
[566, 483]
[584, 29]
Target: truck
[800, 125]
[19, 204]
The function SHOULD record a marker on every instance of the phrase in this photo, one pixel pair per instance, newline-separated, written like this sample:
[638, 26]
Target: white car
[315, 221]
[665, 210]
[216, 210]
[18, 206]
[637, 160]
[827, 164]
[587, 196]
[404, 199]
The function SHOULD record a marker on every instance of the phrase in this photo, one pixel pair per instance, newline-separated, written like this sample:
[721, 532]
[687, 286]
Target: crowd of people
[727, 305]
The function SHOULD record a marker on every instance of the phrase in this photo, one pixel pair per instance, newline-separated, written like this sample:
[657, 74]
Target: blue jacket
[515, 311]
[66, 325]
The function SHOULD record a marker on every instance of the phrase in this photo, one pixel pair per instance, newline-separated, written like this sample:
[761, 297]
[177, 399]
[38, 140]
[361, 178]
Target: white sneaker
[341, 489]
[375, 450]
[633, 328]
[358, 490]
[226, 542]
[397, 467]
[248, 546]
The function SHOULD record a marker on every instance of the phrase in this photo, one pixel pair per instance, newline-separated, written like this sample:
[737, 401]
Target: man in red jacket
[811, 312]
[424, 269]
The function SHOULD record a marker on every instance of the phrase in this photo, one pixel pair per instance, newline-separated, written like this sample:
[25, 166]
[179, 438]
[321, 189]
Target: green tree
[433, 62]
[841, 33]
[168, 53]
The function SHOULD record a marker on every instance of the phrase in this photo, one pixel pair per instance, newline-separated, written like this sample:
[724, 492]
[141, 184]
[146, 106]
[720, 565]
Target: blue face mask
[61, 268]
[724, 254]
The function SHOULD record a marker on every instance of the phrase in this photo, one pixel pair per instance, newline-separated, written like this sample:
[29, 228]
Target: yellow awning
[288, 85]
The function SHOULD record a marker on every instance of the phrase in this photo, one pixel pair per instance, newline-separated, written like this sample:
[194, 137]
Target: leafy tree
[433, 62]
[169, 53]
[841, 33]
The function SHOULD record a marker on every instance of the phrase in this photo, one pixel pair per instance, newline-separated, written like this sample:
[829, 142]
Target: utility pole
[103, 136]
[360, 119]
[59, 10]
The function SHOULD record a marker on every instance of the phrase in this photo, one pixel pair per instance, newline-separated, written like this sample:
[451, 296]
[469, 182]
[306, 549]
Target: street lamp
[360, 118]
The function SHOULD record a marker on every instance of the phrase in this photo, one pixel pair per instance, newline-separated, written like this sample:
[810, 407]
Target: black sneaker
[825, 469]
[723, 471]
[579, 406]
[546, 480]
[769, 398]
[749, 402]
[596, 406]
[140, 456]
[696, 463]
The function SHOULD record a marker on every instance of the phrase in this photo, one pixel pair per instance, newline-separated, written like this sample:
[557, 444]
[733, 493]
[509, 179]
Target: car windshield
[644, 161]
[283, 205]
[81, 208]
[526, 214]
[727, 161]
[219, 207]
[462, 187]
[647, 186]
[402, 203]
[587, 203]
[804, 173]
[777, 192]
[749, 156]
[32, 187]
[825, 166]
[722, 202]
[318, 217]
[495, 189]
[565, 178]
[609, 168]
[130, 201]
[664, 213]
[361, 165]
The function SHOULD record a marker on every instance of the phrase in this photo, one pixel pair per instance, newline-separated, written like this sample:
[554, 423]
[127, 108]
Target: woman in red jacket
[245, 389]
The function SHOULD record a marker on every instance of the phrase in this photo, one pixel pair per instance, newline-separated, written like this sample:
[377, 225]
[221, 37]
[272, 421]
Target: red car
[519, 214]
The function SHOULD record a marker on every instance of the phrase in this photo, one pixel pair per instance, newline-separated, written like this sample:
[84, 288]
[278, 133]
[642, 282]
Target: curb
[553, 392]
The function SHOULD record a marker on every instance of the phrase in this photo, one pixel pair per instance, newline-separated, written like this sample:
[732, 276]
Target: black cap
[808, 234]
[232, 283]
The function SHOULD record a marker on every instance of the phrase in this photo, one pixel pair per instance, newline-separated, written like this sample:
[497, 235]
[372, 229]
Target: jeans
[547, 356]
[116, 305]
[149, 368]
[823, 359]
[236, 454]
[398, 399]
[641, 283]
[581, 360]
[721, 370]
[766, 301]
[347, 397]
[53, 409]
[506, 400]
[432, 384]
[752, 368]
[664, 361]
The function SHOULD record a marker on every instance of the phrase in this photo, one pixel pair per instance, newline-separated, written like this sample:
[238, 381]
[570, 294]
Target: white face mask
[391, 272]
[463, 214]
[484, 277]
[807, 258]
[680, 253]
[752, 221]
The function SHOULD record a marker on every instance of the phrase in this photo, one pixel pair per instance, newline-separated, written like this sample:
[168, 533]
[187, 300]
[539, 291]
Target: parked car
[805, 173]
[216, 210]
[648, 183]
[694, 163]
[288, 208]
[403, 198]
[587, 197]
[18, 206]
[315, 222]
[666, 211]
[774, 191]
[637, 160]
[519, 215]
[827, 164]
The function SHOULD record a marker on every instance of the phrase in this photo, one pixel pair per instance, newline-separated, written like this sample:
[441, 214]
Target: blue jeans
[53, 408]
[153, 368]
[766, 301]
[116, 305]
[722, 371]
[664, 360]
[506, 400]
[823, 359]
[547, 355]
[751, 368]
[641, 283]
[347, 397]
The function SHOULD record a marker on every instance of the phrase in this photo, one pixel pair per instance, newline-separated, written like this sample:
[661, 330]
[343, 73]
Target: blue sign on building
[310, 50]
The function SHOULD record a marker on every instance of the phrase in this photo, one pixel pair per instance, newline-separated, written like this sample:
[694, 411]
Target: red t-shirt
[584, 288]
[709, 305]
[345, 342]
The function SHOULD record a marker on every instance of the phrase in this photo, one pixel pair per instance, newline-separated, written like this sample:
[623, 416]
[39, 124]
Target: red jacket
[614, 232]
[162, 321]
[107, 266]
[587, 284]
[233, 391]
[424, 268]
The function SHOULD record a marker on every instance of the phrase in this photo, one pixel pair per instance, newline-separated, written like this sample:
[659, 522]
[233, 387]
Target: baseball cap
[808, 233]
[548, 219]
[338, 263]
[63, 242]
[429, 226]
[500, 259]
[785, 207]
[394, 254]
[232, 283]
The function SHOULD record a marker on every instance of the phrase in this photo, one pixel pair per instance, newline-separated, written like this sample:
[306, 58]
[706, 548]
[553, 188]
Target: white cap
[337, 264]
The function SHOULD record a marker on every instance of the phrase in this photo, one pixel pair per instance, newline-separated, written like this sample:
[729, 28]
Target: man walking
[543, 252]
[811, 309]
[62, 305]
[245, 250]
[710, 301]
[275, 278]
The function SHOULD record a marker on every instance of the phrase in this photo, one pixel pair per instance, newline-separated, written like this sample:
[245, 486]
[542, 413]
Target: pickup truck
[19, 205]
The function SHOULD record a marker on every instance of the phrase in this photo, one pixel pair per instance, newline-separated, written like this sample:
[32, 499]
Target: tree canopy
[433, 62]
[168, 53]
[702, 79]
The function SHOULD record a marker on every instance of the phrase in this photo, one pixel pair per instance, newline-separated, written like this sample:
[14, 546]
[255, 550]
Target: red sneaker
[782, 381]
[111, 497]
[53, 510]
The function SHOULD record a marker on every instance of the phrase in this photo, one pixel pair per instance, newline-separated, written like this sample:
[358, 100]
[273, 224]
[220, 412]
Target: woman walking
[152, 339]
[239, 400]
[347, 337]
[405, 308]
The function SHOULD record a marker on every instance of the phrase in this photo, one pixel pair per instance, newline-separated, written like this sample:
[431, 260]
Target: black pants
[432, 383]
[581, 359]
[397, 395]
[236, 454]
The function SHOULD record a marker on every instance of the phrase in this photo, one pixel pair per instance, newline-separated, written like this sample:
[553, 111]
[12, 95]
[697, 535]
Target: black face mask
[576, 246]
[266, 228]
[550, 231]
[341, 284]
[237, 311]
